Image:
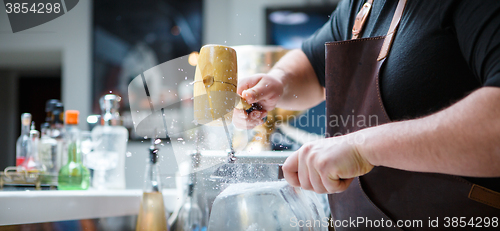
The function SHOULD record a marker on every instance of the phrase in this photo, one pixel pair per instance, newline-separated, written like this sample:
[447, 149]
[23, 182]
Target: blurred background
[100, 46]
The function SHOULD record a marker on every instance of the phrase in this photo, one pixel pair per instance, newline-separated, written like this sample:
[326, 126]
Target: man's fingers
[304, 180]
[316, 181]
[344, 184]
[263, 90]
[246, 83]
[336, 185]
[244, 121]
[290, 170]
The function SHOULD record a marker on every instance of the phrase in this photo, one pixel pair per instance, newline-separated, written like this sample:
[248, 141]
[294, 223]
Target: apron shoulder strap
[392, 30]
[360, 20]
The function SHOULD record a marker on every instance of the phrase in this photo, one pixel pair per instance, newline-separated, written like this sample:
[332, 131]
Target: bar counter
[24, 207]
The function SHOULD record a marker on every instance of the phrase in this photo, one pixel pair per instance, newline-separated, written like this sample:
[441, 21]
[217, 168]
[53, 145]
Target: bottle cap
[110, 104]
[72, 116]
[26, 119]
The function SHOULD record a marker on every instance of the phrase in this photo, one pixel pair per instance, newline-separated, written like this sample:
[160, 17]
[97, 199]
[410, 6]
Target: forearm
[463, 139]
[301, 88]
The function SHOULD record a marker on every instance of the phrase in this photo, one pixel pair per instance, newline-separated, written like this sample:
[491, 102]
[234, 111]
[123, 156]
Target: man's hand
[262, 89]
[291, 84]
[326, 166]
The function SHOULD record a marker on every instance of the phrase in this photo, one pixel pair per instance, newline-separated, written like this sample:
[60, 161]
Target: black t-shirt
[443, 50]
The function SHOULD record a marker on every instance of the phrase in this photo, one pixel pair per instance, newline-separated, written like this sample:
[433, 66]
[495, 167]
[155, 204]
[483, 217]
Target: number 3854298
[37, 8]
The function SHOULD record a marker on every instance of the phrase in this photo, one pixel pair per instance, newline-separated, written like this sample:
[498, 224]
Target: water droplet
[128, 154]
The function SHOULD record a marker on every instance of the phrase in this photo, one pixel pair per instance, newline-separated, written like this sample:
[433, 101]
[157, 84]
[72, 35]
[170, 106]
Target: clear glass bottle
[48, 146]
[57, 133]
[110, 144]
[23, 144]
[32, 162]
[73, 175]
[47, 150]
[152, 210]
[190, 215]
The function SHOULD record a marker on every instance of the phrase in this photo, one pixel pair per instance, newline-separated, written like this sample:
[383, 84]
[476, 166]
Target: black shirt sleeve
[314, 48]
[333, 30]
[477, 24]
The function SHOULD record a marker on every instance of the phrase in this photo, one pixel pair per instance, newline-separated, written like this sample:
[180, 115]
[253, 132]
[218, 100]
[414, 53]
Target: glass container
[152, 209]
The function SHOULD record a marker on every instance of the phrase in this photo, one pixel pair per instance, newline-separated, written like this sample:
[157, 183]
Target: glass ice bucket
[266, 206]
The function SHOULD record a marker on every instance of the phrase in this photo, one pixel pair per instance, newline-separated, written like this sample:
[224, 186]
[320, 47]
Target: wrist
[279, 75]
[365, 142]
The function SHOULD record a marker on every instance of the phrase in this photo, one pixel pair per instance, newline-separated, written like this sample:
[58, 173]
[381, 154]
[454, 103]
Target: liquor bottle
[23, 144]
[48, 146]
[73, 175]
[110, 144]
[47, 150]
[49, 108]
[57, 133]
[57, 121]
[152, 210]
[32, 162]
[190, 215]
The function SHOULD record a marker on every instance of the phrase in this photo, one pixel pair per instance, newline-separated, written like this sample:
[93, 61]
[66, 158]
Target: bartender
[413, 117]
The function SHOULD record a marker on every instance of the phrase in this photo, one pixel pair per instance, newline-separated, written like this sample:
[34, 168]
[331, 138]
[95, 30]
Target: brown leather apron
[387, 196]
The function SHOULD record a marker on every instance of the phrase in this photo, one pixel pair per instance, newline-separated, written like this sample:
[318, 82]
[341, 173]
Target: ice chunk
[265, 206]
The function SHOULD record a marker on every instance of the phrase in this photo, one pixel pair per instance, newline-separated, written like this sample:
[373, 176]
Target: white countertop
[21, 207]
